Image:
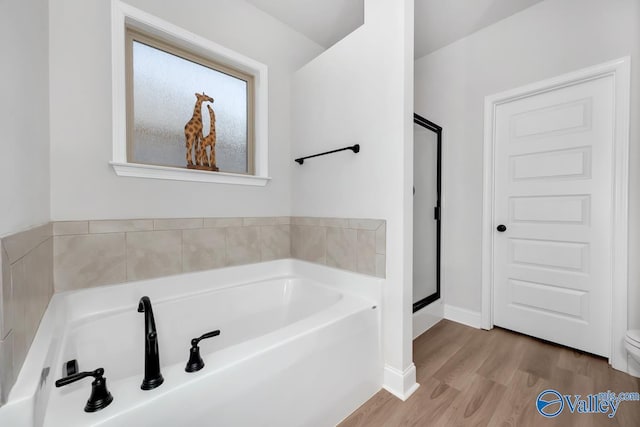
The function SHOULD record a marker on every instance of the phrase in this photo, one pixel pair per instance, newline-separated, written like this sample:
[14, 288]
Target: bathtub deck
[492, 378]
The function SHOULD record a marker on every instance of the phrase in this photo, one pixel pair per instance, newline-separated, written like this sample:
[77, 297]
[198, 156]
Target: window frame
[165, 36]
[132, 35]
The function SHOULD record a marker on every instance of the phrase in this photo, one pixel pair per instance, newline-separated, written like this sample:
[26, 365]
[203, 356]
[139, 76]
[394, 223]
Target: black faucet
[152, 376]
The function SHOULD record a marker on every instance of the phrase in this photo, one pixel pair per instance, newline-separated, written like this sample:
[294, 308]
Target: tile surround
[19, 302]
[116, 226]
[309, 243]
[177, 224]
[62, 228]
[86, 260]
[204, 249]
[222, 222]
[366, 251]
[341, 248]
[331, 241]
[6, 297]
[26, 261]
[20, 244]
[94, 253]
[78, 254]
[280, 220]
[275, 242]
[7, 374]
[243, 245]
[152, 254]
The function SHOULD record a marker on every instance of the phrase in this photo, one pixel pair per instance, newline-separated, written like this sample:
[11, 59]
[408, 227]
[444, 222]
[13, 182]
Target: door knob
[502, 228]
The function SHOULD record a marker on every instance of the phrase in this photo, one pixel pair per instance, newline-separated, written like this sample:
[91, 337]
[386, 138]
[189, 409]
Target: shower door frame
[421, 121]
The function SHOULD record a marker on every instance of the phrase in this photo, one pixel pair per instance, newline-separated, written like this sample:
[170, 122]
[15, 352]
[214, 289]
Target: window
[167, 85]
[162, 85]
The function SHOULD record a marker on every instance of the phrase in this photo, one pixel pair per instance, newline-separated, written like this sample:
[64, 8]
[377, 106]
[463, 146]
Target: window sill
[179, 174]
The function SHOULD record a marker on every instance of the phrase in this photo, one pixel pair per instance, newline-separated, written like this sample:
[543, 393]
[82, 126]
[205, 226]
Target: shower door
[427, 145]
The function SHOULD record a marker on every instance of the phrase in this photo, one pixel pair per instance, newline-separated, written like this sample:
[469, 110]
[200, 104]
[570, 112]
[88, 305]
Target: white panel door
[553, 192]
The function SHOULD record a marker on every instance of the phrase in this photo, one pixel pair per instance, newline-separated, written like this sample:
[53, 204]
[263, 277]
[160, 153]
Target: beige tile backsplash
[6, 320]
[88, 260]
[366, 252]
[275, 242]
[20, 244]
[309, 243]
[25, 291]
[122, 225]
[204, 249]
[71, 255]
[94, 253]
[351, 244]
[222, 222]
[153, 254]
[177, 224]
[62, 228]
[243, 245]
[341, 247]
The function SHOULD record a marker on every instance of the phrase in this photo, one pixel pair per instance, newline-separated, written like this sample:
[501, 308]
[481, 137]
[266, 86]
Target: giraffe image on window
[209, 159]
[193, 130]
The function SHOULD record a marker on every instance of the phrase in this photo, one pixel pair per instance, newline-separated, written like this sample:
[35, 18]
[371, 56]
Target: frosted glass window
[162, 100]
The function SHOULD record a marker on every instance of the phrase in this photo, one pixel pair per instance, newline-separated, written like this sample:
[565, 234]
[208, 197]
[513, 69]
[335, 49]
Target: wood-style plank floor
[470, 377]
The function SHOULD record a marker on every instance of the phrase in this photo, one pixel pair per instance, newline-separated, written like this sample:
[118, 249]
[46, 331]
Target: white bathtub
[299, 346]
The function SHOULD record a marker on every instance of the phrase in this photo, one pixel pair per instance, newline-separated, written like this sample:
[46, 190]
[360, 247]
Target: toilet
[632, 344]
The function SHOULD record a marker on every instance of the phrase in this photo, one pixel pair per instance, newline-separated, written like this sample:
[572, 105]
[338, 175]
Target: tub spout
[152, 376]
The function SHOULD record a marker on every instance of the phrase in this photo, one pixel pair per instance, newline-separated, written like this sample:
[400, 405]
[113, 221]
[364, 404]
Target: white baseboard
[425, 318]
[462, 315]
[400, 384]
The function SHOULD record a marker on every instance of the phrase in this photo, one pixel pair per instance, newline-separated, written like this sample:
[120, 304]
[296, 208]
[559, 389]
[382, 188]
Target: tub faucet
[152, 376]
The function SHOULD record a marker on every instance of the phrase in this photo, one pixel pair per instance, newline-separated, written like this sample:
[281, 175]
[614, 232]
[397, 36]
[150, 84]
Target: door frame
[620, 69]
[421, 121]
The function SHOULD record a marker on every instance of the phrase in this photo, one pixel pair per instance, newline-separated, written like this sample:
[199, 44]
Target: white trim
[180, 174]
[426, 318]
[620, 69]
[462, 315]
[620, 244]
[124, 15]
[401, 384]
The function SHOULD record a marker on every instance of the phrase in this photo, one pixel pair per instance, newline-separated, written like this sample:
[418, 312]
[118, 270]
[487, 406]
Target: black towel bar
[354, 148]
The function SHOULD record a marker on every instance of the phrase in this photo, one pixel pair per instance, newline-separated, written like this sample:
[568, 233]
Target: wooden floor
[470, 377]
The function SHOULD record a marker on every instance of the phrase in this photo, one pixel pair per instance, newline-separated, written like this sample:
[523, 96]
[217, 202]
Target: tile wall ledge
[20, 243]
[63, 228]
[353, 223]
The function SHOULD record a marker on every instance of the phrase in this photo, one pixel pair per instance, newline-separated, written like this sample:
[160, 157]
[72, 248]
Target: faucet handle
[195, 362]
[100, 397]
[98, 373]
[211, 334]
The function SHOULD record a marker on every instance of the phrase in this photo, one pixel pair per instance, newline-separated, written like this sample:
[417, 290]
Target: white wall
[84, 186]
[24, 114]
[548, 39]
[361, 91]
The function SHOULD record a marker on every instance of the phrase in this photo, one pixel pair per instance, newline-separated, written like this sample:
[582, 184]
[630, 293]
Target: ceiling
[323, 21]
[442, 22]
[437, 22]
